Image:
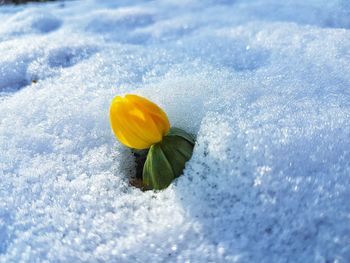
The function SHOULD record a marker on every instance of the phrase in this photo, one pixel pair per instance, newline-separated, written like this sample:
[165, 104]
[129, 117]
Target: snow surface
[265, 86]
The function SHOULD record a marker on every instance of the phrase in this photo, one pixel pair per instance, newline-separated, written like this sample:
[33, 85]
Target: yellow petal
[137, 122]
[153, 109]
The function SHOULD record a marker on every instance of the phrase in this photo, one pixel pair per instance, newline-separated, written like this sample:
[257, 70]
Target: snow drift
[263, 84]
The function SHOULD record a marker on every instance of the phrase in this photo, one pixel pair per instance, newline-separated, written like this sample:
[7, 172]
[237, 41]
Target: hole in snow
[136, 179]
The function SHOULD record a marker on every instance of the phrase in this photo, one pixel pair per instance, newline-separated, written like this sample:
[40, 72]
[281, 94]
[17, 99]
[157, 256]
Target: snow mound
[263, 84]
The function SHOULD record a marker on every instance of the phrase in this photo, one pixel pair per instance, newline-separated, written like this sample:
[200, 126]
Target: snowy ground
[265, 85]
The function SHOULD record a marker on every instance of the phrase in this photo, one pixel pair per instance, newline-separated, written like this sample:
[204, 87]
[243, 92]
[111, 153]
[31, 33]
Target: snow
[264, 85]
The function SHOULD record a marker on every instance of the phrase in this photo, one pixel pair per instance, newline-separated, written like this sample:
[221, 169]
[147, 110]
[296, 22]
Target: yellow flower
[137, 122]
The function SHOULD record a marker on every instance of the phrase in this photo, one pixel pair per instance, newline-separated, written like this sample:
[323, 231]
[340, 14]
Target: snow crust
[263, 84]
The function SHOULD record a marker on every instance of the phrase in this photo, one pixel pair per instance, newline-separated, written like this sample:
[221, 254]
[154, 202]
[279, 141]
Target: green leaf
[157, 172]
[178, 152]
[166, 161]
[178, 132]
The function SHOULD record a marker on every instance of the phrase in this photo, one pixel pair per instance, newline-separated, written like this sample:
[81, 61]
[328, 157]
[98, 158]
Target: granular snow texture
[263, 84]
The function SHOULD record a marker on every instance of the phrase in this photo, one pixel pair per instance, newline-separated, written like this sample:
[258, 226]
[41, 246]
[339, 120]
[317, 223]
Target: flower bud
[166, 159]
[137, 122]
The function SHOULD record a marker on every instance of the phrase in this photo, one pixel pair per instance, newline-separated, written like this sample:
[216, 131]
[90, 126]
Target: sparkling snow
[264, 85]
